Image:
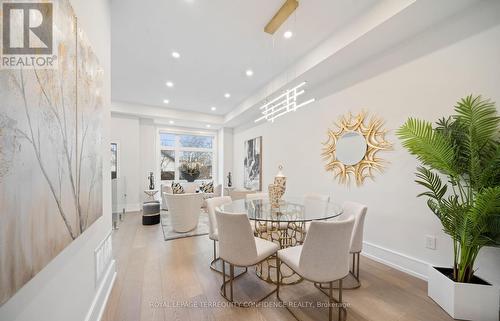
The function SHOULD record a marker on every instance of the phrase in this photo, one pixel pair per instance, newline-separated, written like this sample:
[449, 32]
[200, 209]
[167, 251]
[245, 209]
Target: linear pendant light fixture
[280, 17]
[284, 103]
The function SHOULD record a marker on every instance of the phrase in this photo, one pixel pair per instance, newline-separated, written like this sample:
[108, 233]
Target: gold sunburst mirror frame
[356, 126]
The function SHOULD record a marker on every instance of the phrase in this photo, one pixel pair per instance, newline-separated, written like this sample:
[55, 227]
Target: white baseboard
[101, 298]
[399, 261]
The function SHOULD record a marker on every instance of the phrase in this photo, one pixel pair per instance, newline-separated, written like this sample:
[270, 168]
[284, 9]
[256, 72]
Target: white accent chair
[184, 210]
[323, 258]
[238, 247]
[359, 212]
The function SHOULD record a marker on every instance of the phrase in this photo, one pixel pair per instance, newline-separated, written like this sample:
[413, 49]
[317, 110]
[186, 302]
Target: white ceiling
[218, 40]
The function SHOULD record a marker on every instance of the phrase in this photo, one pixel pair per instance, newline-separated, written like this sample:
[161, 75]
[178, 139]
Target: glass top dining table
[289, 209]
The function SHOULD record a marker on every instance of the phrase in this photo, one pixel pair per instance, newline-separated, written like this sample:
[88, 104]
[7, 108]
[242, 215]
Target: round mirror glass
[351, 148]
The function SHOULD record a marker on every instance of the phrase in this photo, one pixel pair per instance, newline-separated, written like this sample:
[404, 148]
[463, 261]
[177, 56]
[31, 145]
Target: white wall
[65, 289]
[136, 156]
[427, 87]
[225, 158]
[125, 131]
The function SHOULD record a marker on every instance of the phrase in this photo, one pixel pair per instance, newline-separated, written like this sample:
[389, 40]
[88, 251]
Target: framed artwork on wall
[50, 153]
[253, 164]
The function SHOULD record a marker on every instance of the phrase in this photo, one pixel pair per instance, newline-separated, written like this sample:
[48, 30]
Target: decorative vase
[277, 190]
[280, 180]
[275, 194]
[151, 181]
[229, 183]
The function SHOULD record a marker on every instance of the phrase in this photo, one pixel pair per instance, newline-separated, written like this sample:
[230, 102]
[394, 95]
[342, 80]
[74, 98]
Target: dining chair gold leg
[224, 276]
[215, 251]
[357, 267]
[278, 273]
[329, 293]
[231, 272]
[232, 277]
[353, 274]
[330, 302]
[213, 264]
[340, 299]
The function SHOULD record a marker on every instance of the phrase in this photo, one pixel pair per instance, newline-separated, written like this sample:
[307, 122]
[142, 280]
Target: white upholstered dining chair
[213, 234]
[238, 247]
[239, 194]
[257, 196]
[315, 204]
[184, 211]
[323, 258]
[359, 212]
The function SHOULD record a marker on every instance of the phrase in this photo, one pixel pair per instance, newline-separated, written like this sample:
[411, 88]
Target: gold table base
[285, 234]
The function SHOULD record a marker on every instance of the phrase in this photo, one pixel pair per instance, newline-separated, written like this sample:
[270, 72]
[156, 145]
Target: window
[114, 160]
[186, 157]
[167, 165]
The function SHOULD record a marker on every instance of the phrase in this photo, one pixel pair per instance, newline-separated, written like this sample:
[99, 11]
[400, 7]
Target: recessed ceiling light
[249, 72]
[176, 55]
[166, 101]
[227, 95]
[288, 34]
[208, 125]
[169, 84]
[170, 122]
[213, 108]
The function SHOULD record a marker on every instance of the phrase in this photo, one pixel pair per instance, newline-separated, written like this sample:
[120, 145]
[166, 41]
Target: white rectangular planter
[463, 301]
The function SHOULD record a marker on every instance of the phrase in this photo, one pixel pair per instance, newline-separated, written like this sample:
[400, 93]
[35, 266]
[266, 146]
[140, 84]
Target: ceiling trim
[165, 115]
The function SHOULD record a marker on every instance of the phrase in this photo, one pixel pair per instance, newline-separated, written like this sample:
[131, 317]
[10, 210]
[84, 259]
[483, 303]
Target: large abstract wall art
[253, 164]
[50, 154]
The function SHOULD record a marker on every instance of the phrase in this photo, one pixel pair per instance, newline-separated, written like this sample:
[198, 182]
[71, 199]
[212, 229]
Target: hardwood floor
[161, 280]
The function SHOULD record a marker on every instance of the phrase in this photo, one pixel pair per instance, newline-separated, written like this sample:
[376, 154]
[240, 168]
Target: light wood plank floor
[154, 275]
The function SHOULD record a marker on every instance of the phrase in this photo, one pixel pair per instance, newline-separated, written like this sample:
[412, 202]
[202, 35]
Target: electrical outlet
[430, 242]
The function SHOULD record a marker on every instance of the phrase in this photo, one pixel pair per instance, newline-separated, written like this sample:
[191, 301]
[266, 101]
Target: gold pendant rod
[280, 17]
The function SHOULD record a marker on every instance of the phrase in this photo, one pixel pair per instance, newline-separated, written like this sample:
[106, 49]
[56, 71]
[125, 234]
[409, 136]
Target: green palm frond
[466, 148]
[479, 117]
[485, 216]
[479, 120]
[432, 182]
[429, 146]
[490, 173]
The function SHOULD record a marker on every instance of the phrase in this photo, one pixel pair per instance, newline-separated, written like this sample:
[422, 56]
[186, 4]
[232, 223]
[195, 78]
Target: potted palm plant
[460, 171]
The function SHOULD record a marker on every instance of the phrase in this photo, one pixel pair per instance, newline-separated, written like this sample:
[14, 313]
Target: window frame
[118, 163]
[177, 148]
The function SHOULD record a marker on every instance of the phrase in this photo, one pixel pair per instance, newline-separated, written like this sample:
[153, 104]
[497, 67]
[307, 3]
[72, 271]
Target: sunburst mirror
[350, 151]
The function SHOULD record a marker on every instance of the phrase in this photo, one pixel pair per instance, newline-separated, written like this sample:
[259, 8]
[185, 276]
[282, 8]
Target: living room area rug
[170, 234]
